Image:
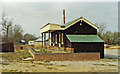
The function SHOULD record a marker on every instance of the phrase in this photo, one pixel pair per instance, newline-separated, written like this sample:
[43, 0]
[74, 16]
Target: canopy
[84, 38]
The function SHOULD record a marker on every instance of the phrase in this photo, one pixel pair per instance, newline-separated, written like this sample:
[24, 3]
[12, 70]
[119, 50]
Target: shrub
[46, 61]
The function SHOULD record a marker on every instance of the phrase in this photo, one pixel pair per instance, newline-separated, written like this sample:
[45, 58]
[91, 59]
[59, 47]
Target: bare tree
[16, 34]
[101, 29]
[107, 36]
[28, 37]
[6, 25]
[115, 38]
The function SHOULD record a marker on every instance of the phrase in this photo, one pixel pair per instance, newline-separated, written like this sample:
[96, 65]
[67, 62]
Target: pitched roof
[49, 24]
[68, 24]
[84, 38]
[38, 40]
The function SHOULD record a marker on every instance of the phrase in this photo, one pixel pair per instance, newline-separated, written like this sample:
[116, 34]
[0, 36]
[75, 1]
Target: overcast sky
[33, 15]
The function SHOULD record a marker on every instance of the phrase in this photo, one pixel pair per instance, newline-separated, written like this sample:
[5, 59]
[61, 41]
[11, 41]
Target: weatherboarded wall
[89, 47]
[84, 29]
[65, 56]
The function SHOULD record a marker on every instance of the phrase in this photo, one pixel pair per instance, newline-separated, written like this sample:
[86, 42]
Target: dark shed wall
[68, 43]
[7, 47]
[89, 47]
[84, 29]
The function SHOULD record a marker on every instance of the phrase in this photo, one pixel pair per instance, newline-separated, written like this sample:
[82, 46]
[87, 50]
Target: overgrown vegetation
[113, 65]
[109, 37]
[46, 61]
[38, 47]
[16, 56]
[13, 32]
[29, 55]
[28, 37]
[43, 51]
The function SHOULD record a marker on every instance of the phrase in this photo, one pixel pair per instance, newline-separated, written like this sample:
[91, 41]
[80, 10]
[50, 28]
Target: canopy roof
[84, 38]
[38, 40]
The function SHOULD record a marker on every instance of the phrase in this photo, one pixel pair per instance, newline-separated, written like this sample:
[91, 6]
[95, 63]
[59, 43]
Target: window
[76, 31]
[81, 24]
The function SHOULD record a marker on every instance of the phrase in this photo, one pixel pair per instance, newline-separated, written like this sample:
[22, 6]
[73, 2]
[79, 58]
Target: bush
[29, 55]
[38, 47]
[46, 61]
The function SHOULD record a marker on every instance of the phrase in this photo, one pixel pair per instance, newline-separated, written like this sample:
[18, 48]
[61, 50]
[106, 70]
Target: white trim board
[82, 19]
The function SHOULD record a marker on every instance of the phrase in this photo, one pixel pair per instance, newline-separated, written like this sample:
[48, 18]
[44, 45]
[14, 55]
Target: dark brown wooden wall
[84, 29]
[89, 47]
[7, 47]
[68, 43]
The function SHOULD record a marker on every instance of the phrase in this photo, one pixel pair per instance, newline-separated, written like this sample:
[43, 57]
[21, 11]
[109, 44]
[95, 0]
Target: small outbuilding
[38, 42]
[31, 42]
[22, 42]
[6, 47]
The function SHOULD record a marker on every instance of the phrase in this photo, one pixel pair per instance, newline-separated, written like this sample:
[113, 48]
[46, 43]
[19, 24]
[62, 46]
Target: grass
[113, 47]
[99, 64]
[5, 63]
[119, 60]
[49, 67]
[65, 50]
[6, 70]
[31, 62]
[17, 55]
[109, 65]
[33, 65]
[46, 61]
[63, 65]
[38, 47]
[29, 55]
[43, 51]
[114, 65]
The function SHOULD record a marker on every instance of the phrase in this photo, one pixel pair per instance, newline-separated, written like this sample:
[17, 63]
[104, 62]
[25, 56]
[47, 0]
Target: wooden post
[55, 38]
[59, 44]
[108, 43]
[42, 40]
[49, 38]
[62, 40]
[56, 41]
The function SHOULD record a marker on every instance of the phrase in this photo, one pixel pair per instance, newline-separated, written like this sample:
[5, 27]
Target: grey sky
[32, 16]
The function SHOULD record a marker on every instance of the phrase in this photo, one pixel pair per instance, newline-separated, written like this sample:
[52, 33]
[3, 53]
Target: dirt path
[103, 65]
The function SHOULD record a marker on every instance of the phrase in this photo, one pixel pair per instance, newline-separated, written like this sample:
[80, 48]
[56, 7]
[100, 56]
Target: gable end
[81, 19]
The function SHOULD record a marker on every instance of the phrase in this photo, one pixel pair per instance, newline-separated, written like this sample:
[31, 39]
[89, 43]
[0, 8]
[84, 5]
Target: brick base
[65, 56]
[70, 50]
[44, 47]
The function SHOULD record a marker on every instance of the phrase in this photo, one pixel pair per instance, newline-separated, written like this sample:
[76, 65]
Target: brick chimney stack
[63, 16]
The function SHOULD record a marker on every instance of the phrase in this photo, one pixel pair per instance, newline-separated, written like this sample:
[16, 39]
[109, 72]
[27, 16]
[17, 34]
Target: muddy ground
[104, 65]
[12, 62]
